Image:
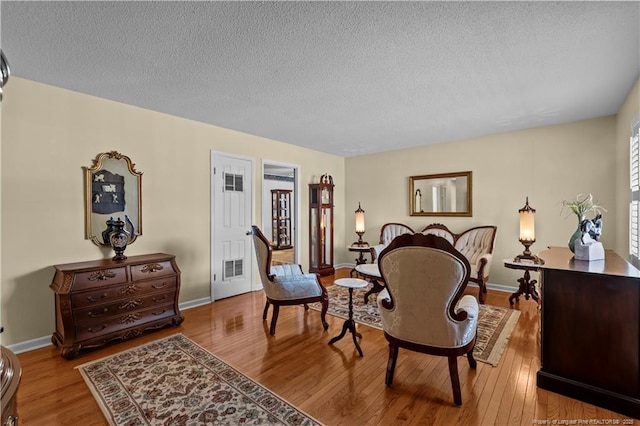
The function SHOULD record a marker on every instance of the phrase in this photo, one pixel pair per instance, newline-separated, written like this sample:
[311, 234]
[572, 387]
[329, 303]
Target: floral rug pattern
[173, 381]
[495, 324]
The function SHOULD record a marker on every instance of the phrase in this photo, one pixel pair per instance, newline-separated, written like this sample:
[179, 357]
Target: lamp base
[528, 258]
[360, 244]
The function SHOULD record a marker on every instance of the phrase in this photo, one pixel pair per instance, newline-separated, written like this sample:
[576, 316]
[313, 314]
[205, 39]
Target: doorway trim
[296, 201]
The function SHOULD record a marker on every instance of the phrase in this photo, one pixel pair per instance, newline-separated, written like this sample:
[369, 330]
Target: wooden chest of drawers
[103, 300]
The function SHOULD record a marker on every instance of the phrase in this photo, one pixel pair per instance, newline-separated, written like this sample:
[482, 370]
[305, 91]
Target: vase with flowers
[581, 206]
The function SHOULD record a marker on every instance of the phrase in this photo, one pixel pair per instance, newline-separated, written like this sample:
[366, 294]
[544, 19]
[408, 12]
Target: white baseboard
[502, 288]
[42, 342]
[194, 303]
[30, 345]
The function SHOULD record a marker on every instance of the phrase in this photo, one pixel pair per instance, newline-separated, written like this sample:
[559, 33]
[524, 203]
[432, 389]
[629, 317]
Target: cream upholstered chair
[422, 307]
[286, 284]
[476, 244]
[387, 233]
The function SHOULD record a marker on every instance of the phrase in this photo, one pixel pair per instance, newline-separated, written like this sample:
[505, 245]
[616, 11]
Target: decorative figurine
[587, 246]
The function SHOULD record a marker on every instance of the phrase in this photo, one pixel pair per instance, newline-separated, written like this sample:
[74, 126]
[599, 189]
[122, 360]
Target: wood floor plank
[332, 383]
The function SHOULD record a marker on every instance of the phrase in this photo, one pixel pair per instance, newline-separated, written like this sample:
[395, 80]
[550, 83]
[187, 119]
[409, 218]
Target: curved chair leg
[274, 318]
[325, 308]
[472, 361]
[482, 290]
[391, 363]
[455, 380]
[266, 309]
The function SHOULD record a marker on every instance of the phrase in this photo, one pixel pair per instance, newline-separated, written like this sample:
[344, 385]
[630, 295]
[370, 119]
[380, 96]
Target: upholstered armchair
[387, 233]
[476, 244]
[423, 308]
[286, 284]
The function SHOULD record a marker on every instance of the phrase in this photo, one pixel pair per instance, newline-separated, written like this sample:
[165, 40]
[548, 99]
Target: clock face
[325, 196]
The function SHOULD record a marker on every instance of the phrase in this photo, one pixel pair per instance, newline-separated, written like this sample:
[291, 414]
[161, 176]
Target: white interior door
[232, 207]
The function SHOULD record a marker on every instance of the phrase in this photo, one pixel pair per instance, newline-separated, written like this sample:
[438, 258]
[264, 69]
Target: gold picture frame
[442, 194]
[113, 189]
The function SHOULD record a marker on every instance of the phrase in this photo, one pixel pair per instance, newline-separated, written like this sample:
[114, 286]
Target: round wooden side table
[527, 285]
[361, 250]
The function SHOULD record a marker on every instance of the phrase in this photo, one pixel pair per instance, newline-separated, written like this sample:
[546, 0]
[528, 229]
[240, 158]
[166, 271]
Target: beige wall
[548, 165]
[48, 134]
[628, 112]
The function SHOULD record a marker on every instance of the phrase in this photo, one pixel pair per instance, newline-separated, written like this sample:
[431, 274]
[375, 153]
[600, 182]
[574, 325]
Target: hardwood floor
[330, 383]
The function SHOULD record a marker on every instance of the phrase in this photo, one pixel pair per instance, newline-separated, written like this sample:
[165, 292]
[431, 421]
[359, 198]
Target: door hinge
[215, 277]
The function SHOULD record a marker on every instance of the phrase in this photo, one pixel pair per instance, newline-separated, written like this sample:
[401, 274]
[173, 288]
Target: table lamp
[360, 228]
[527, 234]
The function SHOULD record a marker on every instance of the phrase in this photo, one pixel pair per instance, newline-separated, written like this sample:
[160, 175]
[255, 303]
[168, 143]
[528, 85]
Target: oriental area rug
[495, 324]
[173, 381]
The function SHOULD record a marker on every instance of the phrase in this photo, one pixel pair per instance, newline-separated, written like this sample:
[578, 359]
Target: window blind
[634, 205]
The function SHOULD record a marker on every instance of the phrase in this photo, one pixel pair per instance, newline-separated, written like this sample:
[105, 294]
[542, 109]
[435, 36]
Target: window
[634, 205]
[233, 182]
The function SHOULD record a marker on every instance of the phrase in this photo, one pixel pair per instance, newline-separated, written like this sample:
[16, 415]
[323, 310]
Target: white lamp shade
[360, 222]
[527, 226]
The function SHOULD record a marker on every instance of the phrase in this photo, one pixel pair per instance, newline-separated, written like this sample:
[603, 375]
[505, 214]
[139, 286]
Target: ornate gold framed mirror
[443, 194]
[113, 189]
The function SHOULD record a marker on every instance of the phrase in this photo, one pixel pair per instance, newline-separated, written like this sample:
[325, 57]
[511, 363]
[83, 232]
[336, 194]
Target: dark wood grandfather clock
[321, 226]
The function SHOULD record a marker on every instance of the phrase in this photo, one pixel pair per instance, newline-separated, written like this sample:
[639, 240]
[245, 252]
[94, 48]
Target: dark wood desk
[590, 330]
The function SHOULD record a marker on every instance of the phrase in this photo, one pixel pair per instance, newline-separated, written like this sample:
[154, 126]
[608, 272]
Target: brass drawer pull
[101, 275]
[91, 299]
[159, 299]
[91, 330]
[152, 267]
[159, 313]
[92, 315]
[159, 285]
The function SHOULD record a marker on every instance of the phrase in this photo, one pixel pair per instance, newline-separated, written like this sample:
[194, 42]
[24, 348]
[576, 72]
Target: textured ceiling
[347, 78]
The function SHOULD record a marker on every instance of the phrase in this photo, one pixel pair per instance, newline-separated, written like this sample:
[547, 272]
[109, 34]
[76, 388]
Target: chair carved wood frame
[461, 316]
[293, 288]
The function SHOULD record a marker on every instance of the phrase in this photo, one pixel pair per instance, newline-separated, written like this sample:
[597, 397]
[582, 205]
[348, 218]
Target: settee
[476, 244]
